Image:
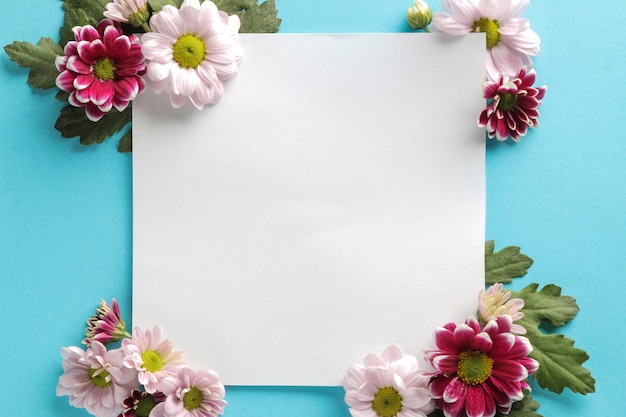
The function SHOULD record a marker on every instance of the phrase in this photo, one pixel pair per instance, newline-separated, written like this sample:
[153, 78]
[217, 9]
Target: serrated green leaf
[546, 305]
[504, 265]
[93, 9]
[126, 142]
[560, 363]
[39, 58]
[524, 408]
[255, 18]
[74, 122]
[75, 17]
[157, 5]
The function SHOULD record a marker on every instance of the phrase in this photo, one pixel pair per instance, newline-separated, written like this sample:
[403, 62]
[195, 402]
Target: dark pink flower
[106, 325]
[101, 69]
[480, 370]
[140, 403]
[512, 107]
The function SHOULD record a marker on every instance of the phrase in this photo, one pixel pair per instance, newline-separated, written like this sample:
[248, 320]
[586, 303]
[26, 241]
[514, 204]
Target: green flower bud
[419, 15]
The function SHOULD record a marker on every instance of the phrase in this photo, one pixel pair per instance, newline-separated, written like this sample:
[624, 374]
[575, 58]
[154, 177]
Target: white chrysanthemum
[192, 51]
[134, 12]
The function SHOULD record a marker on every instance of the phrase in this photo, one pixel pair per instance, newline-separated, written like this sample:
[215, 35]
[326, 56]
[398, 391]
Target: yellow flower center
[474, 367]
[152, 361]
[104, 69]
[193, 399]
[508, 101]
[490, 27]
[387, 402]
[99, 377]
[189, 51]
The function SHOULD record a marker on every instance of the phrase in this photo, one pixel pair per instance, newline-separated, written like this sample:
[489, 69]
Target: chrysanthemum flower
[191, 51]
[95, 379]
[192, 394]
[141, 404]
[134, 12]
[512, 106]
[388, 385]
[101, 69]
[153, 358]
[481, 370]
[510, 41]
[495, 302]
[106, 325]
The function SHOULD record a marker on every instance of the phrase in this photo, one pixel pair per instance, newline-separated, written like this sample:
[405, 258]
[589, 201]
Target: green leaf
[157, 5]
[504, 265]
[75, 17]
[74, 122]
[255, 18]
[93, 9]
[39, 58]
[523, 408]
[126, 142]
[560, 363]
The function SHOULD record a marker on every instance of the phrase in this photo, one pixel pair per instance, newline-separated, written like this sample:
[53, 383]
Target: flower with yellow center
[481, 370]
[191, 52]
[509, 40]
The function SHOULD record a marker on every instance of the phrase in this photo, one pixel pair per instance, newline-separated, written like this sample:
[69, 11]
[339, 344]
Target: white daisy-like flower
[192, 51]
[510, 41]
[134, 12]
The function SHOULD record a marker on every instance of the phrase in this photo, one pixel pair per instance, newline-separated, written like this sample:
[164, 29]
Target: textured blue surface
[560, 194]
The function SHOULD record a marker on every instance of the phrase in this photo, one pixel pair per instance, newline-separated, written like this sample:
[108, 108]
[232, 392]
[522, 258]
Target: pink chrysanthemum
[142, 404]
[510, 41]
[101, 69]
[134, 12]
[481, 370]
[152, 357]
[512, 106]
[495, 302]
[191, 51]
[192, 394]
[95, 379]
[106, 325]
[388, 385]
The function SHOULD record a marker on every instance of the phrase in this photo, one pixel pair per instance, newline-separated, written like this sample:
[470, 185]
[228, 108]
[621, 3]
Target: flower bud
[419, 15]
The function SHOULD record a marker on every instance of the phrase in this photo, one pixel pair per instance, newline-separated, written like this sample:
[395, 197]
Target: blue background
[65, 210]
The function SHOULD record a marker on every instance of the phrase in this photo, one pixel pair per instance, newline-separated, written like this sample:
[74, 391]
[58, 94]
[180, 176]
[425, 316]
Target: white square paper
[331, 204]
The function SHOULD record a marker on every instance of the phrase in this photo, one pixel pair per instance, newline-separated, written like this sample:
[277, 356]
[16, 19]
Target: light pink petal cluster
[502, 355]
[144, 345]
[391, 369]
[122, 10]
[495, 302]
[218, 32]
[511, 41]
[192, 393]
[101, 69]
[513, 106]
[95, 379]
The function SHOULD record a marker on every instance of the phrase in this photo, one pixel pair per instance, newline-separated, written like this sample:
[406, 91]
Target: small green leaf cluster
[72, 121]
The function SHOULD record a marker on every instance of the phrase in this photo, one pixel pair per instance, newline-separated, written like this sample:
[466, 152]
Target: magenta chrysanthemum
[101, 69]
[192, 393]
[480, 370]
[152, 357]
[106, 325]
[95, 379]
[192, 51]
[142, 404]
[510, 41]
[388, 385]
[495, 302]
[512, 106]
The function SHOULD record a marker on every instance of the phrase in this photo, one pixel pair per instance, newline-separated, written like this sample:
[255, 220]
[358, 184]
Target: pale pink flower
[512, 106]
[192, 393]
[152, 357]
[495, 302]
[134, 12]
[106, 325]
[95, 379]
[481, 370]
[510, 41]
[101, 69]
[191, 51]
[388, 385]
